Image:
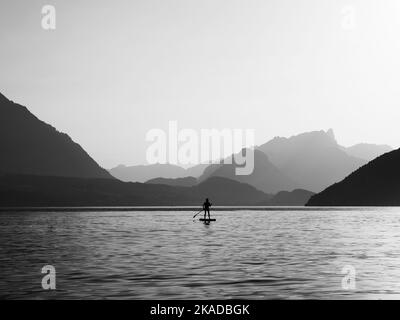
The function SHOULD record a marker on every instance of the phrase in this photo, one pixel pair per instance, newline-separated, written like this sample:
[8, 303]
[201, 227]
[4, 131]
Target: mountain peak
[331, 134]
[311, 138]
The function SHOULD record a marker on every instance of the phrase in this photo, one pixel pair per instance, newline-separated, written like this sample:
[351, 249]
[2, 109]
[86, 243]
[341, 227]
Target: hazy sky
[112, 70]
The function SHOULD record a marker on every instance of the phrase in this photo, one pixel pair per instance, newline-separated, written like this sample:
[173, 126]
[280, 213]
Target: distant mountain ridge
[367, 151]
[314, 160]
[177, 182]
[297, 197]
[311, 161]
[265, 176]
[143, 173]
[44, 191]
[30, 146]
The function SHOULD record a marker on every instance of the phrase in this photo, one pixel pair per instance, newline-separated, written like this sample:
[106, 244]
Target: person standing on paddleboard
[206, 208]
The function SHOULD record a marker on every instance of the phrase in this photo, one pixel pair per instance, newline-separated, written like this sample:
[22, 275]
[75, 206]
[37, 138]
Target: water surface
[250, 254]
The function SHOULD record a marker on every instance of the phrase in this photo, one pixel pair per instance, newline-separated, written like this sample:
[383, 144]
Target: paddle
[197, 213]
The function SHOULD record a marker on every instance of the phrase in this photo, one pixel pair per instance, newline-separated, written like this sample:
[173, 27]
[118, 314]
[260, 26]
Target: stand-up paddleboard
[207, 220]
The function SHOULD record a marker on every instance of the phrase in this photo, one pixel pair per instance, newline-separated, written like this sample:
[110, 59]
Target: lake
[272, 253]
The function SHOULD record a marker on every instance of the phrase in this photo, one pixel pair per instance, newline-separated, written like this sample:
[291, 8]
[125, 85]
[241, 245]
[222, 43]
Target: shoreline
[180, 208]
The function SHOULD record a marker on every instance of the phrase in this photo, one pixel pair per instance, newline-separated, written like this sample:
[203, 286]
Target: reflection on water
[165, 255]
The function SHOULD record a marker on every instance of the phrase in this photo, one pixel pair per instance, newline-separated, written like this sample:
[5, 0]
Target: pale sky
[113, 70]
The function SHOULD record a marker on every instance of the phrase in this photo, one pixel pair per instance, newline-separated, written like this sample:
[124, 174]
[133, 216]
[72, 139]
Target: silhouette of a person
[206, 208]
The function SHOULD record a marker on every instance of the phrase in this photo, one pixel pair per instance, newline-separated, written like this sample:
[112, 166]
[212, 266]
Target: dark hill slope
[30, 146]
[375, 184]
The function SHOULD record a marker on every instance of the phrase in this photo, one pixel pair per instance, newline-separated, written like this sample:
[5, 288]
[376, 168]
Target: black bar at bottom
[198, 309]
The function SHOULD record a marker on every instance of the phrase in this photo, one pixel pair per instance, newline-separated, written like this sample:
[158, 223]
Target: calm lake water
[251, 254]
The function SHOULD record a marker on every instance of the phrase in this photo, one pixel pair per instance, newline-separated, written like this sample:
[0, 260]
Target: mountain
[314, 160]
[222, 191]
[196, 171]
[3, 99]
[375, 184]
[367, 151]
[42, 191]
[178, 182]
[30, 146]
[265, 177]
[143, 173]
[298, 197]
